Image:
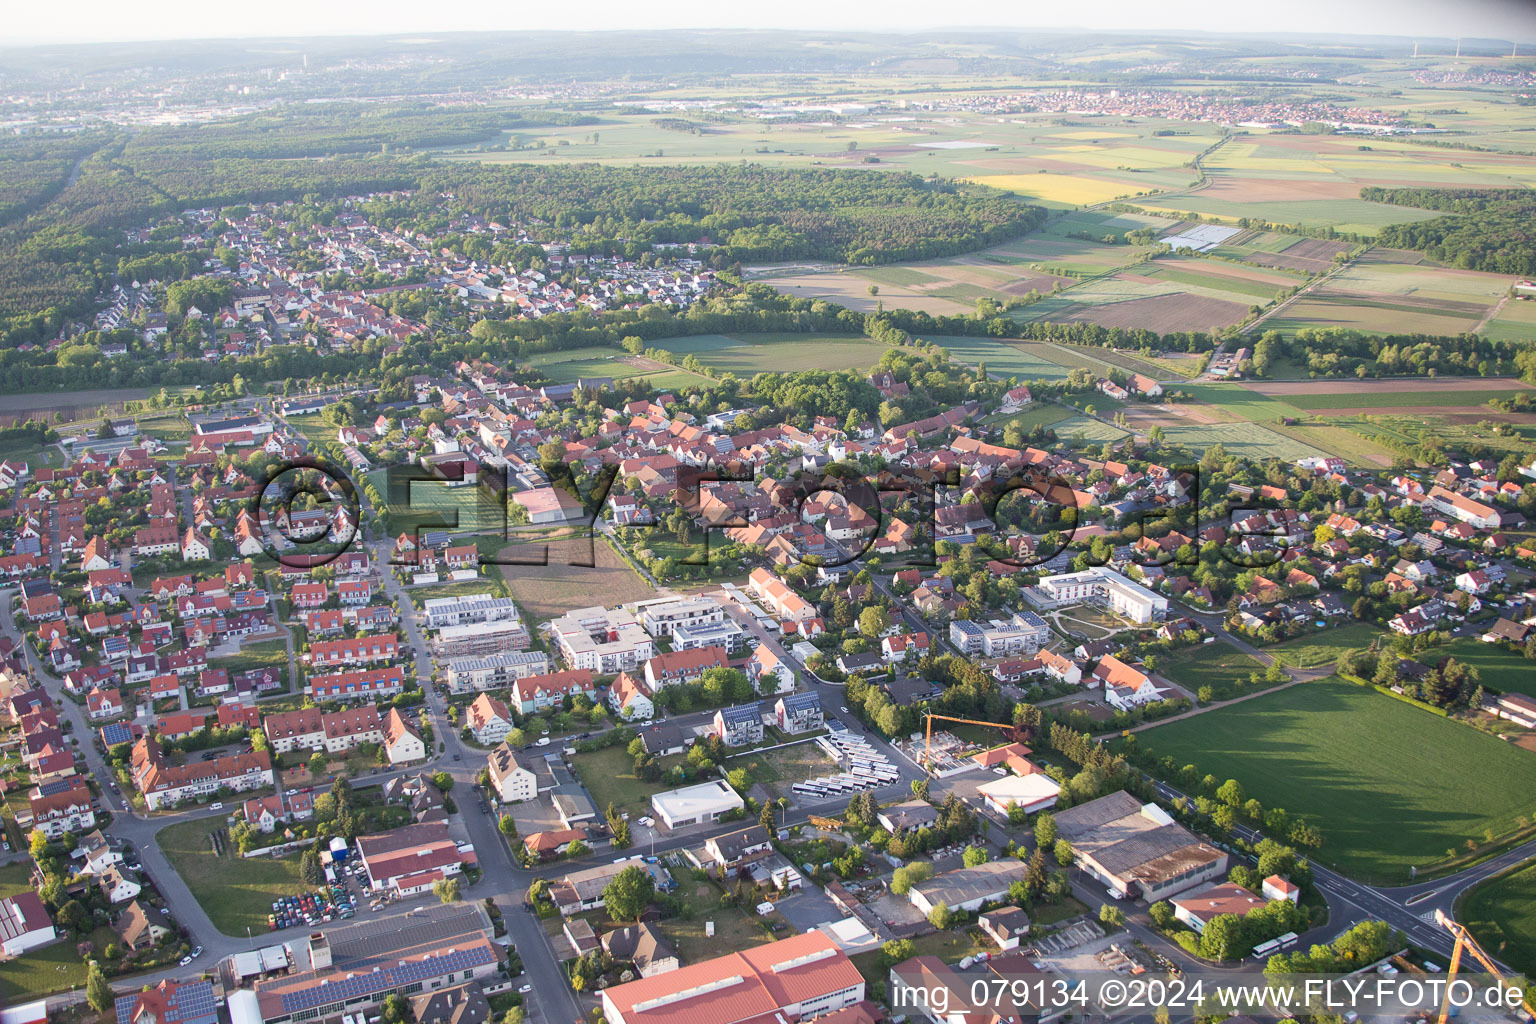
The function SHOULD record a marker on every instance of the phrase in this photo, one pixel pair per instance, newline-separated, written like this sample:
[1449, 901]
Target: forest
[1487, 229]
[760, 214]
[61, 239]
[332, 129]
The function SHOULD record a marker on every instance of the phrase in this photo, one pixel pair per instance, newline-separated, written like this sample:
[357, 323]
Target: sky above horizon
[112, 21]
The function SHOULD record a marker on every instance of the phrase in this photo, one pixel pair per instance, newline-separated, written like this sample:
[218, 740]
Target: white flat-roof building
[726, 634]
[1102, 586]
[603, 641]
[496, 671]
[694, 804]
[481, 639]
[1024, 633]
[662, 616]
[1033, 792]
[456, 611]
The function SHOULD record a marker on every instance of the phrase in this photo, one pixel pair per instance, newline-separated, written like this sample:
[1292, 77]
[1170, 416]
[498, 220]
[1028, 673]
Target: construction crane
[1465, 941]
[1013, 731]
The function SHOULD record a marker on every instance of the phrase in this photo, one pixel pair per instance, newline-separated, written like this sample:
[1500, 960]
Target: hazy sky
[113, 20]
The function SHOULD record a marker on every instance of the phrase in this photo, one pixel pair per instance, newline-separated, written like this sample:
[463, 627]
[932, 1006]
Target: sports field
[1502, 916]
[578, 363]
[434, 505]
[1390, 786]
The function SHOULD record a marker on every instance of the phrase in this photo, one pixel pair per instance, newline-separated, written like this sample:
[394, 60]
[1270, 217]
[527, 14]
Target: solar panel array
[195, 1001]
[385, 979]
[187, 1002]
[117, 732]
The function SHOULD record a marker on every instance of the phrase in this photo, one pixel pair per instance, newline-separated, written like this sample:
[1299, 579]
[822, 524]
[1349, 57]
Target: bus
[1288, 940]
[1265, 950]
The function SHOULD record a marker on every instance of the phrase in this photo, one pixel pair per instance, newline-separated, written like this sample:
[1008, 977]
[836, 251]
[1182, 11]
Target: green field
[1042, 414]
[235, 892]
[1250, 440]
[1218, 665]
[1003, 358]
[1390, 786]
[266, 654]
[749, 354]
[1498, 669]
[1086, 428]
[1253, 284]
[1360, 399]
[434, 505]
[1245, 404]
[1324, 648]
[1502, 915]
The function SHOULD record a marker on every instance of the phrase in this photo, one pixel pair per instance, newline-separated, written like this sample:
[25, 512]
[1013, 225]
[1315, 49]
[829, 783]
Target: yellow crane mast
[1465, 942]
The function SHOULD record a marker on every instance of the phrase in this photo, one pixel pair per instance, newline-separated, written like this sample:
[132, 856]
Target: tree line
[1486, 229]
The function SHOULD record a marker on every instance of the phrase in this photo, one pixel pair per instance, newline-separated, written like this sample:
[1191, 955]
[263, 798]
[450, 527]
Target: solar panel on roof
[386, 978]
[195, 1000]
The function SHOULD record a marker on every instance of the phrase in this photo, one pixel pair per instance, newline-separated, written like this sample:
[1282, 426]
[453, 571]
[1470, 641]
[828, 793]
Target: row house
[533, 694]
[61, 807]
[354, 651]
[358, 684]
[354, 593]
[677, 667]
[169, 785]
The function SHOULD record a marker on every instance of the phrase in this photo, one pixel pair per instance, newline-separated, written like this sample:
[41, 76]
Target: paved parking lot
[808, 908]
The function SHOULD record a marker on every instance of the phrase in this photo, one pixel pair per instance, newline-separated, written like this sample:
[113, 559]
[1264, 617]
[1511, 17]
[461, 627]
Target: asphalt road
[1408, 908]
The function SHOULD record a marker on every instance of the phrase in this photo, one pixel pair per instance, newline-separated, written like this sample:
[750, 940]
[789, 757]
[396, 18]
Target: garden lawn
[265, 654]
[1502, 915]
[1497, 668]
[1324, 648]
[1390, 786]
[735, 929]
[1218, 665]
[609, 775]
[236, 892]
[949, 946]
[16, 878]
[55, 968]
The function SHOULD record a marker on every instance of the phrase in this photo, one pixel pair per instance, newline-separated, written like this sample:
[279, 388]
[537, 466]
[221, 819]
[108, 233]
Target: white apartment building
[468, 608]
[1102, 586]
[495, 671]
[662, 616]
[602, 641]
[1024, 633]
[479, 639]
